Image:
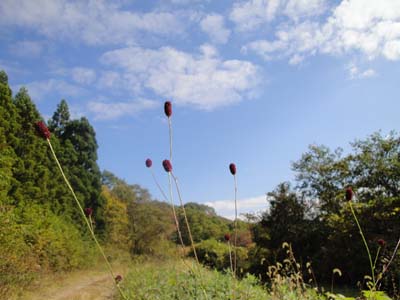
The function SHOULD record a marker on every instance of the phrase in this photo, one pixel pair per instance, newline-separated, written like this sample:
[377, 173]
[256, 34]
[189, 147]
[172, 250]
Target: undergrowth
[174, 280]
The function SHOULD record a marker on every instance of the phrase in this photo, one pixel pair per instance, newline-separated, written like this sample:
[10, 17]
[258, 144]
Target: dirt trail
[79, 286]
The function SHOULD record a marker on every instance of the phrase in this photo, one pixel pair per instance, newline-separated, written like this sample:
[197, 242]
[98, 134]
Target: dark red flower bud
[42, 129]
[167, 165]
[381, 242]
[168, 109]
[149, 163]
[227, 237]
[232, 168]
[118, 278]
[88, 211]
[349, 194]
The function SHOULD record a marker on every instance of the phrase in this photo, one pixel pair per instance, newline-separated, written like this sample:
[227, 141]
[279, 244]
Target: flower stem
[235, 233]
[184, 215]
[170, 139]
[86, 220]
[366, 246]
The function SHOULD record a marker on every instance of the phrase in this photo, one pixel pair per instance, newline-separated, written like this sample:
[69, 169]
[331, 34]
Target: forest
[42, 231]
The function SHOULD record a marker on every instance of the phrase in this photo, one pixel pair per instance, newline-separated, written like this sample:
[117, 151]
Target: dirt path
[77, 286]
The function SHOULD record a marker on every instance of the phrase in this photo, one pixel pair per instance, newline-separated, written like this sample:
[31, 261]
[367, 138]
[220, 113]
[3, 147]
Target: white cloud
[226, 208]
[214, 26]
[93, 22]
[83, 75]
[114, 110]
[251, 14]
[39, 90]
[296, 9]
[27, 48]
[356, 73]
[367, 27]
[204, 80]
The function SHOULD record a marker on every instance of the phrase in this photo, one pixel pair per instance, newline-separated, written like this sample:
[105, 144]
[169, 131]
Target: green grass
[173, 279]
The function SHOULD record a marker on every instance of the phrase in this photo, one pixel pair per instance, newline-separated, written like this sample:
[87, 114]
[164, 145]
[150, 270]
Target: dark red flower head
[42, 129]
[149, 163]
[167, 165]
[349, 194]
[227, 237]
[88, 211]
[232, 168]
[118, 278]
[168, 108]
[381, 242]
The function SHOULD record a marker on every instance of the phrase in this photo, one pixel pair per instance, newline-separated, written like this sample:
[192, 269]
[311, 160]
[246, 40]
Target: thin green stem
[366, 246]
[86, 220]
[91, 222]
[376, 257]
[230, 258]
[188, 228]
[184, 215]
[391, 259]
[173, 210]
[235, 229]
[170, 139]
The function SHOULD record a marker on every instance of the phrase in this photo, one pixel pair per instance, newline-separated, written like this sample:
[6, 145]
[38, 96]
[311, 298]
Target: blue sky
[251, 81]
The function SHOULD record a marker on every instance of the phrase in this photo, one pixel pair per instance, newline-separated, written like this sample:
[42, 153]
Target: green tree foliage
[150, 226]
[78, 151]
[8, 125]
[316, 219]
[204, 223]
[37, 231]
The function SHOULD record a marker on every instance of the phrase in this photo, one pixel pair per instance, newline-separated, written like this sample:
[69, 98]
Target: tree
[8, 128]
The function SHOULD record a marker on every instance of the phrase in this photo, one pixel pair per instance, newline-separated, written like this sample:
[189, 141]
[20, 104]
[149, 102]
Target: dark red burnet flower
[227, 237]
[232, 168]
[168, 108]
[349, 194]
[149, 163]
[88, 211]
[381, 242]
[42, 129]
[118, 278]
[167, 165]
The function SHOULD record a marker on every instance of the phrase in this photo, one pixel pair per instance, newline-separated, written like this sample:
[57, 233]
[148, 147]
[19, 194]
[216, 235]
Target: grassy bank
[176, 280]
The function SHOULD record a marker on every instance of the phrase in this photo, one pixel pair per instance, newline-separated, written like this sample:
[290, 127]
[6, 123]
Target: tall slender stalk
[390, 261]
[173, 211]
[86, 220]
[184, 215]
[170, 138]
[366, 247]
[235, 228]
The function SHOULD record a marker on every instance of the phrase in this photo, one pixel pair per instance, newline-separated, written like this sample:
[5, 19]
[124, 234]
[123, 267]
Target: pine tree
[8, 125]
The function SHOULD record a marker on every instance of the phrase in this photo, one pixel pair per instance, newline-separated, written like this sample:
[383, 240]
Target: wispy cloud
[40, 90]
[214, 26]
[115, 110]
[203, 80]
[26, 48]
[251, 14]
[226, 208]
[92, 22]
[356, 73]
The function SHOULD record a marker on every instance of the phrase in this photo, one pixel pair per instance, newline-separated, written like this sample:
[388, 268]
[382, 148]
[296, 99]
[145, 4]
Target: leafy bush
[215, 254]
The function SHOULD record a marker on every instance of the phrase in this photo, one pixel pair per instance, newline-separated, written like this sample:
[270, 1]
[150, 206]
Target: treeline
[315, 218]
[41, 229]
